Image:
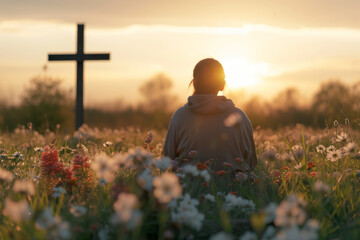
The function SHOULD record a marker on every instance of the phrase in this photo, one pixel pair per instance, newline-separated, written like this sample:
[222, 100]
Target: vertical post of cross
[79, 109]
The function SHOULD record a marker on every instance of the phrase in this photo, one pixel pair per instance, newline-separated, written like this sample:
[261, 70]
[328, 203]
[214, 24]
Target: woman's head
[208, 77]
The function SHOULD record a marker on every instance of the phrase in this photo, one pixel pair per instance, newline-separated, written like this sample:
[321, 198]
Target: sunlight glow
[240, 72]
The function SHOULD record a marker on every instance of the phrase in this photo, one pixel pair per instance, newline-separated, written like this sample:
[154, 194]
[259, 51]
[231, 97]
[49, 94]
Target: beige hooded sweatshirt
[199, 125]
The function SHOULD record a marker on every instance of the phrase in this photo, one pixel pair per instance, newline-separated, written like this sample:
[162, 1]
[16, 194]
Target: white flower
[18, 211]
[209, 197]
[59, 230]
[205, 175]
[321, 187]
[107, 144]
[145, 180]
[138, 156]
[270, 212]
[232, 119]
[342, 137]
[46, 219]
[290, 212]
[232, 201]
[126, 211]
[349, 148]
[104, 167]
[186, 212]
[18, 155]
[248, 236]
[57, 191]
[221, 236]
[78, 210]
[24, 186]
[5, 175]
[331, 148]
[38, 149]
[333, 156]
[241, 177]
[320, 148]
[191, 169]
[124, 205]
[103, 233]
[163, 163]
[167, 187]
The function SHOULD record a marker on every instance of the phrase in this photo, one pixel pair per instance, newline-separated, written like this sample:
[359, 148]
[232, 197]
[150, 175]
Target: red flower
[201, 166]
[238, 160]
[310, 165]
[220, 173]
[233, 193]
[226, 164]
[285, 168]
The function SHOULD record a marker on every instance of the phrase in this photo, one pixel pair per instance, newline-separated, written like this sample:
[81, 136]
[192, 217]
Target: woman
[210, 126]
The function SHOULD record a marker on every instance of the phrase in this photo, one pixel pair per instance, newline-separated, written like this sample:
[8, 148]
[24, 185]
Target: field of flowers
[115, 184]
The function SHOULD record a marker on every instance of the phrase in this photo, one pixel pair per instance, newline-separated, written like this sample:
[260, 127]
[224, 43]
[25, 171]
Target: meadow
[115, 184]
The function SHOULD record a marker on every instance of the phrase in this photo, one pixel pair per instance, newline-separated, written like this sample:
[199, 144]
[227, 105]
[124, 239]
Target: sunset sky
[265, 46]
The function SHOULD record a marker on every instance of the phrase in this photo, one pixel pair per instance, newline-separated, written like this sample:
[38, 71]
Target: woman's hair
[208, 77]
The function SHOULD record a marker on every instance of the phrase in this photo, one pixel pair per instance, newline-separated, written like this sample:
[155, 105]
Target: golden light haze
[263, 50]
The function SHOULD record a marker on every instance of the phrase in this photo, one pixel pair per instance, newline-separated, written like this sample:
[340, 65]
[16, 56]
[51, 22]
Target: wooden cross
[79, 57]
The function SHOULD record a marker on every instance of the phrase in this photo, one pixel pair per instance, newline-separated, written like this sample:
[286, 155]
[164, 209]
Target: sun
[240, 72]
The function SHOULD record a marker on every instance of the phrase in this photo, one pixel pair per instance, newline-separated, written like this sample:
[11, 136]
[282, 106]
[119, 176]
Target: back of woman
[210, 126]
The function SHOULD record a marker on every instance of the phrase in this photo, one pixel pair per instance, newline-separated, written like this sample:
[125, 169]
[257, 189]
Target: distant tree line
[47, 105]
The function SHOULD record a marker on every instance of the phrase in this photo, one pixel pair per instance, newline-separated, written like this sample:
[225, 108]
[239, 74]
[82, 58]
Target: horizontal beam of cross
[79, 57]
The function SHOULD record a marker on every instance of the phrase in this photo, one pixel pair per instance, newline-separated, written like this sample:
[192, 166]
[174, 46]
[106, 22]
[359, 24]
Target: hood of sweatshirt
[209, 104]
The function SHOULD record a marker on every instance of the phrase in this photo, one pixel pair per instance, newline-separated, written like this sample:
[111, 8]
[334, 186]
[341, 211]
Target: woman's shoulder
[243, 117]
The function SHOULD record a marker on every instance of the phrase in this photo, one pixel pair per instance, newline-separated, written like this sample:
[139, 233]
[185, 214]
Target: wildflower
[269, 154]
[310, 165]
[190, 169]
[290, 212]
[149, 138]
[331, 148]
[185, 212]
[54, 226]
[342, 137]
[231, 201]
[46, 219]
[298, 166]
[270, 212]
[126, 211]
[107, 144]
[320, 148]
[138, 156]
[24, 186]
[314, 174]
[18, 155]
[145, 180]
[221, 236]
[349, 148]
[103, 233]
[192, 153]
[321, 187]
[57, 191]
[51, 168]
[209, 197]
[163, 163]
[232, 119]
[205, 175]
[241, 177]
[275, 173]
[38, 149]
[226, 164]
[201, 166]
[5, 176]
[220, 172]
[78, 210]
[248, 236]
[167, 187]
[104, 166]
[333, 156]
[18, 211]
